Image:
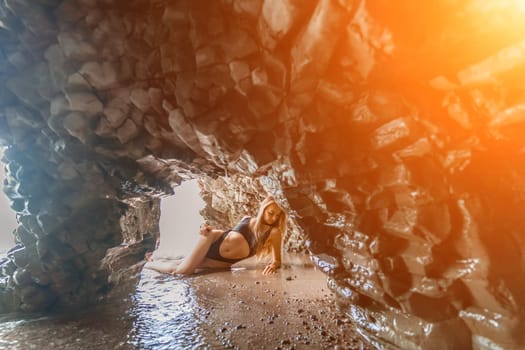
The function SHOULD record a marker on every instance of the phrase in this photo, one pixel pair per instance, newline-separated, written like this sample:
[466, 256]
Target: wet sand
[237, 309]
[292, 309]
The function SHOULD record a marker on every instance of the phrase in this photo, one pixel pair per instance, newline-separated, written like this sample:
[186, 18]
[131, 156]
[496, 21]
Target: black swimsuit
[243, 227]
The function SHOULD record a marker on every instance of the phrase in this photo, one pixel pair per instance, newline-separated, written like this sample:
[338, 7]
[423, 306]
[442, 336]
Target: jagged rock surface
[395, 139]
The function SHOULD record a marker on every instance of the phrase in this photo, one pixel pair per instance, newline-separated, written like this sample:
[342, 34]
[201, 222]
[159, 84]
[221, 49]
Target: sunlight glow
[180, 220]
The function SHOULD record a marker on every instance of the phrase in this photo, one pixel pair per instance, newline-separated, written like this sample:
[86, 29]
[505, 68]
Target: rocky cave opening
[391, 130]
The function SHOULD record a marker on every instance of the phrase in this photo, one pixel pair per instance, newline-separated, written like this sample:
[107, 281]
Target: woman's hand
[205, 230]
[269, 269]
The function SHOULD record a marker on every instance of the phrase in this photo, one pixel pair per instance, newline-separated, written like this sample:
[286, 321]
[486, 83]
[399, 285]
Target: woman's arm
[275, 242]
[207, 230]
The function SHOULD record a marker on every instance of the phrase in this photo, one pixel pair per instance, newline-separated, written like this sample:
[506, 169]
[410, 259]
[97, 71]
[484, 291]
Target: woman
[221, 249]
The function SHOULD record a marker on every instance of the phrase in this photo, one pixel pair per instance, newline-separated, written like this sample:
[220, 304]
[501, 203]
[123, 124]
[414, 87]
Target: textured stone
[25, 88]
[104, 128]
[19, 116]
[77, 82]
[140, 98]
[237, 44]
[251, 7]
[84, 102]
[115, 116]
[22, 277]
[36, 298]
[390, 133]
[239, 70]
[19, 256]
[509, 116]
[59, 106]
[18, 60]
[489, 327]
[70, 11]
[279, 16]
[205, 56]
[398, 152]
[67, 171]
[419, 148]
[127, 131]
[73, 46]
[100, 76]
[77, 125]
[313, 50]
[156, 96]
[488, 69]
[183, 130]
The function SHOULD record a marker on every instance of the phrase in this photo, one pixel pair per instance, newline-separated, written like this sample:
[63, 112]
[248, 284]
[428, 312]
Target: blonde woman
[260, 235]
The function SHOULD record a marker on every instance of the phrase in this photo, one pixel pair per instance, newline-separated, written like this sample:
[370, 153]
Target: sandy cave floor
[237, 309]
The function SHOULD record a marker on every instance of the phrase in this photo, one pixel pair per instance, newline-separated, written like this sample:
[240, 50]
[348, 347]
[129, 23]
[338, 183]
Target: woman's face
[271, 214]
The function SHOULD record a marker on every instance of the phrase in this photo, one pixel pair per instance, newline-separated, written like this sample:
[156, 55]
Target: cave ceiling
[392, 131]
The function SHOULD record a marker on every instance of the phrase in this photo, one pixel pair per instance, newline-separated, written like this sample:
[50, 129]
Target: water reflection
[164, 310]
[224, 309]
[161, 313]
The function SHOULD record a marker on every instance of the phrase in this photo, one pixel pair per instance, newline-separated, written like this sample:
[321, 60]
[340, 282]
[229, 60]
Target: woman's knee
[207, 239]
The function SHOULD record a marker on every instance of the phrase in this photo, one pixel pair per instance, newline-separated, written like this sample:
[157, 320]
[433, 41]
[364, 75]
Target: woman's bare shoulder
[275, 231]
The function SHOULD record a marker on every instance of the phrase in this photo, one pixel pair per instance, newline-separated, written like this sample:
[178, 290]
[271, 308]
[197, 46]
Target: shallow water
[238, 309]
[165, 314]
[160, 314]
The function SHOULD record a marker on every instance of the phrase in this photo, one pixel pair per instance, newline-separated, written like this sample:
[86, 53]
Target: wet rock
[376, 156]
[390, 133]
[36, 298]
[104, 128]
[316, 45]
[25, 87]
[51, 245]
[84, 102]
[251, 7]
[73, 46]
[100, 76]
[24, 236]
[19, 256]
[22, 277]
[77, 125]
[127, 131]
[509, 116]
[140, 98]
[8, 267]
[488, 69]
[483, 323]
[279, 17]
[238, 44]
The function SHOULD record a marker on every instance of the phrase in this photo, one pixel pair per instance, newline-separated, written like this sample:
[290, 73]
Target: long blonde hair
[263, 247]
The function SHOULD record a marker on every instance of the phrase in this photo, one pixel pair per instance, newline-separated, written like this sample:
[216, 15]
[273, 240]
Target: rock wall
[392, 130]
[141, 220]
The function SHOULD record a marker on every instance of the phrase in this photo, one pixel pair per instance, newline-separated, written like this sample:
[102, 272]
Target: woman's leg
[196, 257]
[187, 265]
[162, 265]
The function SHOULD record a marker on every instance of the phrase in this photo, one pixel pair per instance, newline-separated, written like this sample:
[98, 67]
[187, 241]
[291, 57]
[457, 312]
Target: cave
[389, 130]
